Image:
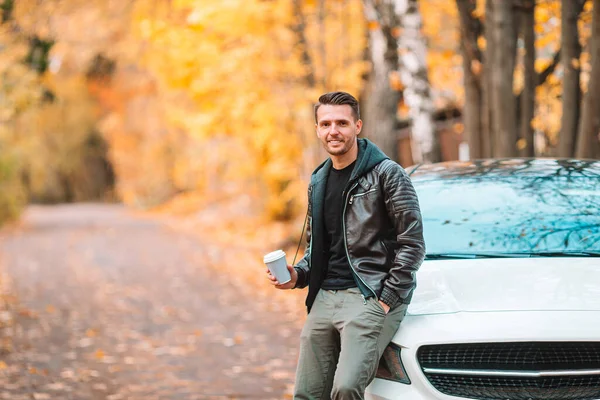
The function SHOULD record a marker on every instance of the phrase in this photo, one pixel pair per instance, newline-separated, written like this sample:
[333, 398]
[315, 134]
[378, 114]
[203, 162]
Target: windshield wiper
[467, 256]
[566, 254]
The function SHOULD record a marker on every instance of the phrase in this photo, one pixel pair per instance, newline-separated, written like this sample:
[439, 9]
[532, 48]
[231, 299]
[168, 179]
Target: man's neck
[343, 160]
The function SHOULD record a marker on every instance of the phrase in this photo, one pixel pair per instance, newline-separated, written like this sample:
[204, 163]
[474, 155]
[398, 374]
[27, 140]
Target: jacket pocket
[361, 194]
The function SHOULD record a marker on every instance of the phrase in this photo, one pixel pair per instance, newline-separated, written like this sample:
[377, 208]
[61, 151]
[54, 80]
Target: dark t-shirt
[339, 275]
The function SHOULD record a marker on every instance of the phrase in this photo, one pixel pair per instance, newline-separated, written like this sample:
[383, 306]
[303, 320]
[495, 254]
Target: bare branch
[549, 69]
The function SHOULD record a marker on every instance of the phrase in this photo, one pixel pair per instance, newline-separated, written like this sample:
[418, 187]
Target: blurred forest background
[182, 103]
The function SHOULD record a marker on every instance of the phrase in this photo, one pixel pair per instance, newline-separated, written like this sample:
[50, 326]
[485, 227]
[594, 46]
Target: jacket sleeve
[303, 266]
[403, 209]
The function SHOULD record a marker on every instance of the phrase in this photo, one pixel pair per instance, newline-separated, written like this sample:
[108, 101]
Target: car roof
[505, 167]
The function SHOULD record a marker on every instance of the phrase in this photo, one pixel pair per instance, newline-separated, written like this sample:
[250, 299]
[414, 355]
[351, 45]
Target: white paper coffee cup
[277, 265]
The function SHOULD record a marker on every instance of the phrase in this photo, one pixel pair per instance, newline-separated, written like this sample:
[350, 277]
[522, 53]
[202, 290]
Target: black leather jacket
[382, 228]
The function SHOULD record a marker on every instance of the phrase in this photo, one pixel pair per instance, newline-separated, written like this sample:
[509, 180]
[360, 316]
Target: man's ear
[359, 126]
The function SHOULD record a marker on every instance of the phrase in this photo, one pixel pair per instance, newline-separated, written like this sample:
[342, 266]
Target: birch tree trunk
[380, 100]
[470, 29]
[571, 96]
[503, 100]
[413, 73]
[588, 145]
[527, 98]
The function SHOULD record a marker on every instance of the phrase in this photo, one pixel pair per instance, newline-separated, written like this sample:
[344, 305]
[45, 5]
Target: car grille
[514, 371]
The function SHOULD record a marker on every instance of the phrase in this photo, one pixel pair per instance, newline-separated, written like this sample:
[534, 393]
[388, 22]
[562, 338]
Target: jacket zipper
[346, 244]
[361, 194]
[310, 189]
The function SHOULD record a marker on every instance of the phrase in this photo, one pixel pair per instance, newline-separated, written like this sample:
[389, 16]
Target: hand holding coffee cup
[281, 275]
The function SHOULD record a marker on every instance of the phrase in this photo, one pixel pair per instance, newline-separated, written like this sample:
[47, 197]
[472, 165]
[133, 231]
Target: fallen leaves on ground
[145, 311]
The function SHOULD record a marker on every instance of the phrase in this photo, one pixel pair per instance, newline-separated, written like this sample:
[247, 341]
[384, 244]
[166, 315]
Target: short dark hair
[339, 99]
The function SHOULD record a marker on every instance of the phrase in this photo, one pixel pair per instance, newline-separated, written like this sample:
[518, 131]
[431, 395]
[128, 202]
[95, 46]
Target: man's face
[337, 129]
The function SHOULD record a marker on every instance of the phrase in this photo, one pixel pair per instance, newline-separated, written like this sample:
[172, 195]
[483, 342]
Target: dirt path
[117, 306]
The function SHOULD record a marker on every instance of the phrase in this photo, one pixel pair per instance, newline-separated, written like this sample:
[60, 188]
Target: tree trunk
[527, 98]
[470, 28]
[413, 73]
[503, 99]
[380, 101]
[571, 97]
[322, 45]
[299, 29]
[487, 138]
[588, 145]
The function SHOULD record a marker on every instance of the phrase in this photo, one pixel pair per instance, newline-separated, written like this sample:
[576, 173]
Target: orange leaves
[476, 67]
[395, 81]
[547, 24]
[482, 43]
[91, 333]
[441, 28]
[539, 29]
[230, 342]
[458, 127]
[403, 110]
[373, 25]
[448, 54]
[479, 11]
[99, 354]
[25, 312]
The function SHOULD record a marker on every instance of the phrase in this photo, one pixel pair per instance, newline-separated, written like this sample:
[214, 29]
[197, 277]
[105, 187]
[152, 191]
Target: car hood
[507, 284]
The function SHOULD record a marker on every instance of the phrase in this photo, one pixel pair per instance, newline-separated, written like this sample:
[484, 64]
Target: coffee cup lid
[274, 255]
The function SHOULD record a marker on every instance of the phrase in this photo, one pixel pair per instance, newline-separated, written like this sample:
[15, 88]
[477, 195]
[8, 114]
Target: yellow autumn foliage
[20, 92]
[211, 99]
[48, 150]
[235, 72]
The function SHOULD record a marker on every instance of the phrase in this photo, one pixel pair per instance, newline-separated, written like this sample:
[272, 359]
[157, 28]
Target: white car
[507, 304]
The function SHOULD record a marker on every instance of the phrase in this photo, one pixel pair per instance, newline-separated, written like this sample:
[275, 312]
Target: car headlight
[390, 365]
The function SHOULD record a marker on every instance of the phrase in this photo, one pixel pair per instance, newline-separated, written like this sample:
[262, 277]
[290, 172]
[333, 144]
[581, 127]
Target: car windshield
[510, 215]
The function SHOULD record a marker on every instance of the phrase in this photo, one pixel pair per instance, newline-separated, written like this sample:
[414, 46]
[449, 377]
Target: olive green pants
[341, 343]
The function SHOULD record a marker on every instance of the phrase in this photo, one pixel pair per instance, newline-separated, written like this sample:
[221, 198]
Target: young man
[365, 245]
